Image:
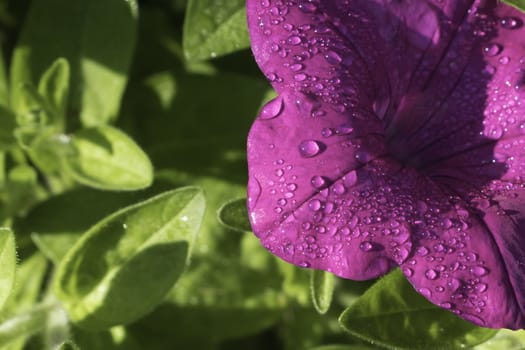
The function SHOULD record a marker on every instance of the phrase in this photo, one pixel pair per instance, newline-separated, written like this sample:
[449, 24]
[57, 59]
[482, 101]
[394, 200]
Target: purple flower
[397, 139]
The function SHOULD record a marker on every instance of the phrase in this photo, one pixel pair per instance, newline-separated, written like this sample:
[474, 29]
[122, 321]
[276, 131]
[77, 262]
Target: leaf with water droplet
[7, 264]
[234, 215]
[391, 313]
[214, 28]
[125, 265]
[106, 158]
[58, 222]
[322, 289]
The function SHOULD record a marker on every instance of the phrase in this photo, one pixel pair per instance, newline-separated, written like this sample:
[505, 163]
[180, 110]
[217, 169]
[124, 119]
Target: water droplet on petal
[309, 148]
[480, 287]
[333, 57]
[408, 271]
[307, 7]
[315, 205]
[318, 181]
[339, 188]
[294, 40]
[431, 274]
[350, 179]
[327, 132]
[511, 22]
[272, 109]
[479, 271]
[366, 246]
[425, 292]
[492, 49]
[300, 77]
[504, 60]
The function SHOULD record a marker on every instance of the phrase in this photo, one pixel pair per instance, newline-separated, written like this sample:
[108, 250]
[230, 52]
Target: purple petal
[397, 138]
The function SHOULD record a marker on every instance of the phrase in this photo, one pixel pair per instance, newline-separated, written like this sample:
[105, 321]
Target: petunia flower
[397, 139]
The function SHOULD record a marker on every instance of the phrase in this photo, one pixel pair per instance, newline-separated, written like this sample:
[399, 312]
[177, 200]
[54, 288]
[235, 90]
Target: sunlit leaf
[214, 28]
[106, 158]
[124, 266]
[391, 313]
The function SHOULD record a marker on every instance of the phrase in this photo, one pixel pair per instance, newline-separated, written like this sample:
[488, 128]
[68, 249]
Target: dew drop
[314, 205]
[296, 67]
[272, 109]
[309, 148]
[300, 77]
[333, 57]
[318, 181]
[422, 251]
[511, 23]
[504, 60]
[307, 7]
[431, 274]
[350, 179]
[291, 187]
[425, 292]
[344, 130]
[294, 40]
[480, 287]
[339, 188]
[446, 305]
[327, 132]
[408, 271]
[304, 264]
[479, 271]
[366, 246]
[492, 49]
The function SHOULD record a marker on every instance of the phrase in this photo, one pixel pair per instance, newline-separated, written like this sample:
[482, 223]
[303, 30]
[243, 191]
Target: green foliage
[123, 182]
[393, 314]
[322, 289]
[234, 215]
[214, 28]
[96, 37]
[104, 157]
[519, 4]
[7, 264]
[124, 266]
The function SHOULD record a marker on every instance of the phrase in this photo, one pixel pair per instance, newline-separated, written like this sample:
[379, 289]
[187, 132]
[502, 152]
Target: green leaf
[124, 266]
[8, 123]
[505, 339]
[116, 338]
[343, 347]
[519, 4]
[392, 314]
[4, 86]
[322, 289]
[7, 264]
[96, 37]
[26, 324]
[232, 288]
[234, 215]
[68, 345]
[57, 223]
[28, 284]
[214, 28]
[106, 158]
[54, 87]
